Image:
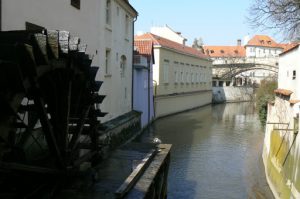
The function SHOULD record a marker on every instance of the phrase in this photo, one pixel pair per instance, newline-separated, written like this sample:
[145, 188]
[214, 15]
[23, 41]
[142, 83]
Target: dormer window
[222, 51]
[236, 51]
[262, 41]
[212, 51]
[269, 42]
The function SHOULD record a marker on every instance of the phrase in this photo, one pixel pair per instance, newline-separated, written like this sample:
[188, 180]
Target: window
[166, 71]
[175, 77]
[222, 51]
[181, 77]
[108, 12]
[75, 3]
[123, 65]
[107, 62]
[127, 25]
[187, 78]
[294, 74]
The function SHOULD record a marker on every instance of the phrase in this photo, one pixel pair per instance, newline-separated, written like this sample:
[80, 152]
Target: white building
[281, 152]
[167, 32]
[106, 26]
[182, 76]
[262, 46]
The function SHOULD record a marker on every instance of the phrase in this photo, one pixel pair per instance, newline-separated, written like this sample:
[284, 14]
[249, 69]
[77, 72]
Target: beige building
[182, 76]
[106, 26]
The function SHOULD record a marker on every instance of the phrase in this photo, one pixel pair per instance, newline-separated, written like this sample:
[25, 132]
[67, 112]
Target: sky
[216, 22]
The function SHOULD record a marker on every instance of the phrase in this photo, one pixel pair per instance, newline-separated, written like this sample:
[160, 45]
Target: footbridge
[228, 68]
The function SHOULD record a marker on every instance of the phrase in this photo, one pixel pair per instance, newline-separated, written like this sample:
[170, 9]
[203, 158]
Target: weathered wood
[27, 168]
[52, 36]
[64, 41]
[134, 176]
[143, 186]
[73, 43]
[82, 47]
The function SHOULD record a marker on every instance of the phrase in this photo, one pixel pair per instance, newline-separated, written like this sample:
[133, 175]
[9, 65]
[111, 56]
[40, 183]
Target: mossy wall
[281, 153]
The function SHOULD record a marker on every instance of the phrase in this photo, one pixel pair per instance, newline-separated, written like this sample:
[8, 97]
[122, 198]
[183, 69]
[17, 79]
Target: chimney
[239, 42]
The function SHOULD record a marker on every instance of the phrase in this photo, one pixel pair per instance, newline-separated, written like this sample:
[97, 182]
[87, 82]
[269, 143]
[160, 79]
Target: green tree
[265, 94]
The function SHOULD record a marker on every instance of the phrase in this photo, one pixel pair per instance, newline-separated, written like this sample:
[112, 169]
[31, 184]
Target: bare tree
[283, 15]
[198, 44]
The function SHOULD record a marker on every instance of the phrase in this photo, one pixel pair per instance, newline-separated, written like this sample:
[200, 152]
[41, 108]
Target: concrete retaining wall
[170, 104]
[232, 94]
[281, 152]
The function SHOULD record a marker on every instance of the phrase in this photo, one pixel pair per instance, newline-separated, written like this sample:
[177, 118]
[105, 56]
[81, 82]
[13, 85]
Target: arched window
[123, 65]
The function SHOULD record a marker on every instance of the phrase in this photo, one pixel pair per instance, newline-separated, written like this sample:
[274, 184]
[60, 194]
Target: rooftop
[165, 43]
[225, 51]
[263, 40]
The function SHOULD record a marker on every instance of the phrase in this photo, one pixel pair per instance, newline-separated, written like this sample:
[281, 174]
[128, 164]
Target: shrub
[264, 94]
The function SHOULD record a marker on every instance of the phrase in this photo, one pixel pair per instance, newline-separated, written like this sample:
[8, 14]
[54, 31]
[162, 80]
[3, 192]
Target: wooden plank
[135, 175]
[143, 186]
[28, 168]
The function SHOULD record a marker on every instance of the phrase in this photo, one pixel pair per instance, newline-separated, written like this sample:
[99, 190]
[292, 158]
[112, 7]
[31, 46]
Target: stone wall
[119, 131]
[232, 94]
[281, 151]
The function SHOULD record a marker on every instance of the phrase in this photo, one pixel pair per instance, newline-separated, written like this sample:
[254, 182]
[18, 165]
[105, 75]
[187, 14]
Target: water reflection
[216, 152]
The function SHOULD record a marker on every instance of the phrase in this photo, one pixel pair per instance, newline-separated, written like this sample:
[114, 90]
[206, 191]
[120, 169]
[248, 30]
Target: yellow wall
[281, 153]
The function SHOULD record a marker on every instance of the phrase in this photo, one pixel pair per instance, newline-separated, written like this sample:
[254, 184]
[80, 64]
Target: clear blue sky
[217, 22]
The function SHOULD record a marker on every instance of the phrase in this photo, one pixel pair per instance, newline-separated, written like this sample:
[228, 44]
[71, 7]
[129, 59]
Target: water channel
[216, 152]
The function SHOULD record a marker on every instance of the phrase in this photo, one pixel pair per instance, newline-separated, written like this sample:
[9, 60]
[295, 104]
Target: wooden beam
[135, 175]
[27, 168]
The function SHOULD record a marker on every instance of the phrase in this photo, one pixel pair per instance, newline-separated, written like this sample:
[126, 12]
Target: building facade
[182, 76]
[167, 32]
[143, 81]
[106, 26]
[281, 151]
[249, 64]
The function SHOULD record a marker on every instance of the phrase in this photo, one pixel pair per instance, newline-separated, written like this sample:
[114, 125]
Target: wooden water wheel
[49, 110]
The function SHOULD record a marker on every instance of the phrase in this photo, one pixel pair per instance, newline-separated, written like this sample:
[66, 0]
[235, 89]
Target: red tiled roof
[263, 40]
[288, 47]
[225, 51]
[163, 42]
[294, 101]
[144, 47]
[283, 92]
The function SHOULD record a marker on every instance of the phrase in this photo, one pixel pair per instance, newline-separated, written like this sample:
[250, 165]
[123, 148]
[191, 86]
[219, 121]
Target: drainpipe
[132, 70]
[149, 71]
[155, 87]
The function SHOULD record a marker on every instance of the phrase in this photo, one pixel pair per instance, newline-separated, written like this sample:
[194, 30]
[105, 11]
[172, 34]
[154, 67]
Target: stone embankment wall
[281, 151]
[119, 131]
[232, 94]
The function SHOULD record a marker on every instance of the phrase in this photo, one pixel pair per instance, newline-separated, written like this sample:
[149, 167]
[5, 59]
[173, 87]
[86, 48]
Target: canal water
[216, 152]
